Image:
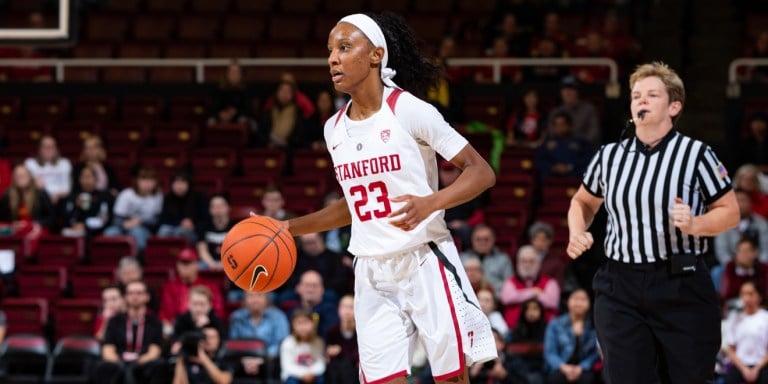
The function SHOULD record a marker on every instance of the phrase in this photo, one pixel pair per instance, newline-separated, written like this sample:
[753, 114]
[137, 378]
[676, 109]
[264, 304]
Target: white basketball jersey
[387, 157]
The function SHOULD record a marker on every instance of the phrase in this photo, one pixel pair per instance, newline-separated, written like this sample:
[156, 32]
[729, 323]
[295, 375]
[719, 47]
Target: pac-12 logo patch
[385, 135]
[258, 271]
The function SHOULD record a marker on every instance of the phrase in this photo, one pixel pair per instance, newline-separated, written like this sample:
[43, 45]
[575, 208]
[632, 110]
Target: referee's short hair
[667, 75]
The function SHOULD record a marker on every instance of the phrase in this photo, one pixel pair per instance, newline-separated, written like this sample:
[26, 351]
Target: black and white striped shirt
[639, 187]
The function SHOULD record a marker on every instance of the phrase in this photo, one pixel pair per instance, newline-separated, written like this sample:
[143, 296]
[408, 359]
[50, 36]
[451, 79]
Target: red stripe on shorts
[384, 379]
[460, 370]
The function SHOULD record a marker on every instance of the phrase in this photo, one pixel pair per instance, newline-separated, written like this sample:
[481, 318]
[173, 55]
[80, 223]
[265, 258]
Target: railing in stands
[612, 87]
[734, 87]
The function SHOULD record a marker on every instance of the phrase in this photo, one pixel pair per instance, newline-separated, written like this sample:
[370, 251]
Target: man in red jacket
[176, 292]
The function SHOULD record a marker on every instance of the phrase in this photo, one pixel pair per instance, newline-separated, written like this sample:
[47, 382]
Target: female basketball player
[409, 283]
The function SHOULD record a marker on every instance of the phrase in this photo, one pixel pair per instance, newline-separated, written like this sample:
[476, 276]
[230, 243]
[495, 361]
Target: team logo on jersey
[258, 271]
[385, 135]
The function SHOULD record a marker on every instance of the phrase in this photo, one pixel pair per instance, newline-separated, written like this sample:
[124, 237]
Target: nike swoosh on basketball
[258, 271]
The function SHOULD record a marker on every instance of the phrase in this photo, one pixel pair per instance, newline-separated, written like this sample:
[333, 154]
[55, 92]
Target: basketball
[258, 254]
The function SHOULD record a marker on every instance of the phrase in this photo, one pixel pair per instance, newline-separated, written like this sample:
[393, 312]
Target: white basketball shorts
[419, 296]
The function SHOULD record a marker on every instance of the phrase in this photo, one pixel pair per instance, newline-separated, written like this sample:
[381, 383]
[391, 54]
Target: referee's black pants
[656, 328]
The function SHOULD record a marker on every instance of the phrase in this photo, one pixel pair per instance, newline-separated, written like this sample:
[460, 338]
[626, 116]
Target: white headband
[372, 31]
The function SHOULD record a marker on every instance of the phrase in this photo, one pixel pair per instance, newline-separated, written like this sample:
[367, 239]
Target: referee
[656, 311]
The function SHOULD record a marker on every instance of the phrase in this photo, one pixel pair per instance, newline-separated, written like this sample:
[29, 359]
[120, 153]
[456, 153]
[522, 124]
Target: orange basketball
[258, 254]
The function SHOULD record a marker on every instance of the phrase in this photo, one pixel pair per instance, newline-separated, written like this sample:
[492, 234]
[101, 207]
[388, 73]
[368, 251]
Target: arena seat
[108, 250]
[75, 316]
[25, 357]
[210, 6]
[142, 108]
[243, 28]
[45, 281]
[197, 28]
[107, 27]
[25, 314]
[88, 280]
[46, 108]
[94, 108]
[231, 135]
[73, 359]
[164, 251]
[60, 251]
[10, 107]
[21, 247]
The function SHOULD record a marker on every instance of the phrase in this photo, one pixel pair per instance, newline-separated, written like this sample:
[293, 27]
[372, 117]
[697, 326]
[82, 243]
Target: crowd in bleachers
[114, 206]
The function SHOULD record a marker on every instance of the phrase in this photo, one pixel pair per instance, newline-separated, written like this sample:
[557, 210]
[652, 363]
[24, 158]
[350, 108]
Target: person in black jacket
[184, 209]
[86, 211]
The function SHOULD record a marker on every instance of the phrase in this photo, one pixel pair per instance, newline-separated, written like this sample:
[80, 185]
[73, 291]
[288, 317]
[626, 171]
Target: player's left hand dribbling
[681, 216]
[413, 212]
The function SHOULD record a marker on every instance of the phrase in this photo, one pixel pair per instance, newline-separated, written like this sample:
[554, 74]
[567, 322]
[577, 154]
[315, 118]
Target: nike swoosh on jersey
[333, 148]
[258, 271]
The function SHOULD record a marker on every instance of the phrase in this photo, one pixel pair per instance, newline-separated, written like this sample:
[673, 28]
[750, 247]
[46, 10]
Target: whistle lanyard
[131, 344]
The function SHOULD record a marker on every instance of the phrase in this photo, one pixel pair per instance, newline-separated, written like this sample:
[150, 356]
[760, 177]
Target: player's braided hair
[415, 73]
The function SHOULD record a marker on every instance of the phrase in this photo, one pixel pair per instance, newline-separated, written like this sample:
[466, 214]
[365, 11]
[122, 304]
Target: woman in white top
[746, 339]
[137, 209]
[51, 171]
[410, 286]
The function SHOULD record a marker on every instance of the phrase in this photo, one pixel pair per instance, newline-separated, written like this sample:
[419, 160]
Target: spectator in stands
[570, 344]
[526, 125]
[744, 267]
[528, 282]
[132, 342]
[25, 74]
[474, 268]
[747, 178]
[273, 203]
[545, 48]
[206, 366]
[302, 353]
[586, 124]
[283, 125]
[591, 45]
[759, 74]
[314, 256]
[551, 29]
[94, 156]
[750, 225]
[746, 339]
[232, 103]
[176, 292]
[86, 211]
[184, 209]
[462, 218]
[488, 304]
[51, 171]
[562, 154]
[26, 208]
[529, 331]
[541, 236]
[498, 50]
[112, 303]
[341, 346]
[303, 102]
[622, 47]
[324, 110]
[753, 149]
[497, 266]
[129, 270]
[517, 38]
[439, 94]
[198, 315]
[259, 319]
[137, 209]
[310, 296]
[212, 232]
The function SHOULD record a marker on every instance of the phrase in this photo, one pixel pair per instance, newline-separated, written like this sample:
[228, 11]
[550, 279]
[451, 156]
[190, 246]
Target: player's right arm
[334, 215]
[584, 206]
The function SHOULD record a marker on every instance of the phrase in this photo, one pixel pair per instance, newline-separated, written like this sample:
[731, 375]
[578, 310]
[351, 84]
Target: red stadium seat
[262, 162]
[230, 50]
[429, 27]
[123, 5]
[142, 108]
[156, 276]
[176, 134]
[94, 107]
[75, 317]
[124, 75]
[398, 6]
[139, 50]
[197, 28]
[245, 191]
[9, 108]
[189, 108]
[163, 251]
[89, 280]
[226, 135]
[82, 74]
[250, 6]
[107, 27]
[172, 75]
[46, 108]
[154, 27]
[125, 134]
[214, 163]
[25, 135]
[185, 51]
[243, 28]
[21, 247]
[280, 49]
[515, 161]
[108, 250]
[92, 50]
[343, 7]
[46, 281]
[164, 162]
[60, 251]
[289, 28]
[70, 136]
[25, 314]
[210, 6]
[72, 359]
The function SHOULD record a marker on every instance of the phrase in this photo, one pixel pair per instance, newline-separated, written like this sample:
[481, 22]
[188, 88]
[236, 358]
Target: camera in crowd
[190, 342]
